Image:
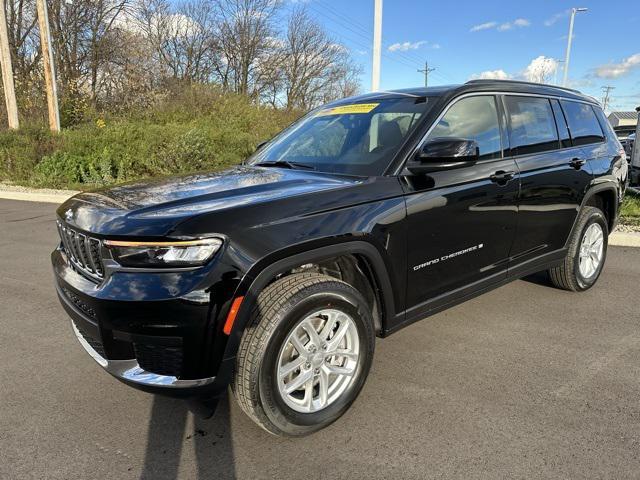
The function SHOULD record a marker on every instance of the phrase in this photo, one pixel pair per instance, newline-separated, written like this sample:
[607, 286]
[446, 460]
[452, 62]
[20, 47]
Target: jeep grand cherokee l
[362, 217]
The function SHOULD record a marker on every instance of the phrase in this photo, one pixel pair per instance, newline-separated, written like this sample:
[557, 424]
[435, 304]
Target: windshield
[355, 139]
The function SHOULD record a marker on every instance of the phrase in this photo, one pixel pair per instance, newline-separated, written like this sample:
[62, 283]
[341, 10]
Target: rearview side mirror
[444, 154]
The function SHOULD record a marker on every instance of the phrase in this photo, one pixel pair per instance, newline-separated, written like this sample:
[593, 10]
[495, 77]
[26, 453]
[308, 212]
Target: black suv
[362, 217]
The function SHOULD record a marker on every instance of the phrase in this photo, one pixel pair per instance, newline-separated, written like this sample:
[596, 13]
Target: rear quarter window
[583, 123]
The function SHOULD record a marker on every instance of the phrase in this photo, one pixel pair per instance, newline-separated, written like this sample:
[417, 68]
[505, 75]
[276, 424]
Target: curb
[620, 239]
[33, 195]
[616, 239]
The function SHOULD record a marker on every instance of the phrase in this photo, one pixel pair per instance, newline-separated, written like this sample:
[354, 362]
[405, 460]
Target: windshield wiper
[285, 164]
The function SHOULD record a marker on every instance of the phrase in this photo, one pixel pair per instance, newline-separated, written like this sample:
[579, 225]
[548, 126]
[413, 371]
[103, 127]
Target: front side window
[355, 139]
[583, 124]
[533, 128]
[472, 118]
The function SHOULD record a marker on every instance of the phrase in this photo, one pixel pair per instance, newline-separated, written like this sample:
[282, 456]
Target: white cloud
[615, 70]
[435, 46]
[554, 18]
[483, 26]
[540, 69]
[502, 27]
[405, 46]
[491, 74]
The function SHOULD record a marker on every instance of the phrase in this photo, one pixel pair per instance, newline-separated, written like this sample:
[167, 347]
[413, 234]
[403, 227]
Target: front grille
[83, 252]
[160, 359]
[95, 344]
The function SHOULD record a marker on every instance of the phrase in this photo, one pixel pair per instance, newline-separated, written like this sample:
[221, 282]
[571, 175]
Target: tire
[287, 306]
[570, 275]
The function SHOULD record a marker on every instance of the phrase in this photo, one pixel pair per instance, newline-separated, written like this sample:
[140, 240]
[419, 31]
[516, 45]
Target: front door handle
[501, 177]
[577, 163]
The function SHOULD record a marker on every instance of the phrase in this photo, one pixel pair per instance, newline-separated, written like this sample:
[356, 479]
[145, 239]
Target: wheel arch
[605, 197]
[259, 277]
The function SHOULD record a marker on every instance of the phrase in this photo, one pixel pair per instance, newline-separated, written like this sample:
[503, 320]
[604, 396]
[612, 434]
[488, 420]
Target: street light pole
[569, 40]
[377, 45]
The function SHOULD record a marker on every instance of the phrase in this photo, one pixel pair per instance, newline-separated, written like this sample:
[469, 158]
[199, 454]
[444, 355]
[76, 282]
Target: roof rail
[522, 82]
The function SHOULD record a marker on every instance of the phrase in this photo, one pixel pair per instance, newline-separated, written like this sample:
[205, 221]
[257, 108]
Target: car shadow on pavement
[168, 435]
[539, 278]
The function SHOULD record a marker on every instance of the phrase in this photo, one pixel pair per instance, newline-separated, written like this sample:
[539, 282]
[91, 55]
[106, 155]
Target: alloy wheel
[318, 360]
[591, 250]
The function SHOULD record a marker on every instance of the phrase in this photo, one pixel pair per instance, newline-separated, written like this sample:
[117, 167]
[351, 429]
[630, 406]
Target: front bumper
[129, 371]
[146, 335]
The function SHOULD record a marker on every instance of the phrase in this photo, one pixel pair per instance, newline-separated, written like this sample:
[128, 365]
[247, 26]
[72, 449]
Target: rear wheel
[305, 355]
[586, 254]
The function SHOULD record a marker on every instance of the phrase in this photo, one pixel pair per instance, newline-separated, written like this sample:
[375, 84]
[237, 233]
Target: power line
[356, 28]
[405, 58]
[605, 98]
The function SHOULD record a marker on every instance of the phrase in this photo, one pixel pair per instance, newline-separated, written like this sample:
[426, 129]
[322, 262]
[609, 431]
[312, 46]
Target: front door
[461, 222]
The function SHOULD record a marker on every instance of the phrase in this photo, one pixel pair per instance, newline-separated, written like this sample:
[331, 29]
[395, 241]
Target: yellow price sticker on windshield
[348, 109]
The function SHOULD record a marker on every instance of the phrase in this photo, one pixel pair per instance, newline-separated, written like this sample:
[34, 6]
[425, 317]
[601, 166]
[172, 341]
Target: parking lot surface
[524, 382]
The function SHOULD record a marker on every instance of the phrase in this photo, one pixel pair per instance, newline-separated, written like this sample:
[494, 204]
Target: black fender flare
[594, 189]
[266, 274]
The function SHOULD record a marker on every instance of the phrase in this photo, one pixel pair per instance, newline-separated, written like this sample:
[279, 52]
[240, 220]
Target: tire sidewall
[301, 305]
[595, 217]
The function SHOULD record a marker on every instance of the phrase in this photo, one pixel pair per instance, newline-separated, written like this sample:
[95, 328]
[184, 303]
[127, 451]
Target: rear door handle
[577, 163]
[501, 177]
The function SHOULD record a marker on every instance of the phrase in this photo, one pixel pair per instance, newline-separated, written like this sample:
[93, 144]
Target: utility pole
[605, 98]
[377, 45]
[426, 72]
[569, 40]
[49, 68]
[7, 71]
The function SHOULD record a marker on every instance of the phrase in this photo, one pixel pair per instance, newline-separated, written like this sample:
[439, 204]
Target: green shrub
[196, 128]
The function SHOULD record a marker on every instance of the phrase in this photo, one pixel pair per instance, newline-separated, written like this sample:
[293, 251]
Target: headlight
[163, 254]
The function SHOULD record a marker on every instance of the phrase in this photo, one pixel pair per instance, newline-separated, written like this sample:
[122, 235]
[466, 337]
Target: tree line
[118, 55]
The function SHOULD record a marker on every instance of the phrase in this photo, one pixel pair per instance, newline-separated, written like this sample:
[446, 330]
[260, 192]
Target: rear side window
[583, 124]
[473, 118]
[561, 123]
[533, 127]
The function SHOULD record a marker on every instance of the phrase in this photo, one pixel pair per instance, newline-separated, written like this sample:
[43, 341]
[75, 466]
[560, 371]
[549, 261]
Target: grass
[630, 211]
[196, 129]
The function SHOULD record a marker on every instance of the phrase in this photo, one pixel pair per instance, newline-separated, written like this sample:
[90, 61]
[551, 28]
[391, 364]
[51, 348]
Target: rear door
[461, 222]
[554, 176]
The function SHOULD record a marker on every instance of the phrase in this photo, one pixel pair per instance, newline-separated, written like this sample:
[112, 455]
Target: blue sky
[467, 39]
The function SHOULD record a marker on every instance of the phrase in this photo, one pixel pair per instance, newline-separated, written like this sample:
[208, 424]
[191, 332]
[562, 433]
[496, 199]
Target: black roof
[515, 86]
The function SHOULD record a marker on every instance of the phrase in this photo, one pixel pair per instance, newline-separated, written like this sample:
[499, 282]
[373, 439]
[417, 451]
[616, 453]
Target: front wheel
[586, 253]
[305, 355]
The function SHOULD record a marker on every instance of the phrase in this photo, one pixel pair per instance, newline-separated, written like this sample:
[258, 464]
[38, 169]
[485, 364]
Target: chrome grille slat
[87, 249]
[80, 238]
[83, 252]
[72, 244]
[94, 250]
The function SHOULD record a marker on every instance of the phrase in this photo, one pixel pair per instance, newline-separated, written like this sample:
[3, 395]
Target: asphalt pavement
[523, 382]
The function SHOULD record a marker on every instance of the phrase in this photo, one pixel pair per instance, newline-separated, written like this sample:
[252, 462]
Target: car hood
[144, 208]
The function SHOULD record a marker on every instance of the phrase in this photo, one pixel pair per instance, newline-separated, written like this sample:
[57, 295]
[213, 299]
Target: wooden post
[7, 71]
[49, 68]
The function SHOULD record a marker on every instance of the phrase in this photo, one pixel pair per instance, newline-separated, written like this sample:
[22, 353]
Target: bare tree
[244, 39]
[315, 68]
[182, 37]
